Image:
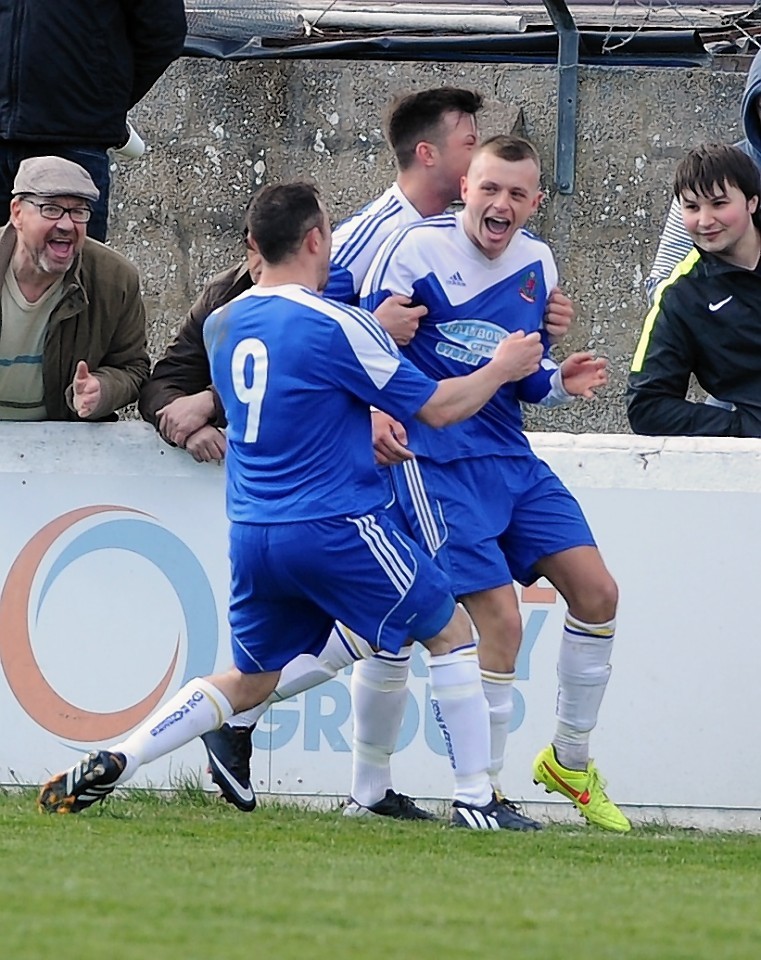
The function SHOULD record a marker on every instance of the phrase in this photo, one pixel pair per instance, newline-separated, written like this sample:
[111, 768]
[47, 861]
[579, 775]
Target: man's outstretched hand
[86, 389]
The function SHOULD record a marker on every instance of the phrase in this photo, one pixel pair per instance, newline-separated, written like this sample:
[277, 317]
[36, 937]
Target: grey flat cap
[54, 177]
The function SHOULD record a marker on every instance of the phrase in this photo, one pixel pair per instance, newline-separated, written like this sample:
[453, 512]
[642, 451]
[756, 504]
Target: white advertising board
[113, 591]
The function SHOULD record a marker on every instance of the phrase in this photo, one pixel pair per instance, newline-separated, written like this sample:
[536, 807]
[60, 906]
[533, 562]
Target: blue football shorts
[489, 520]
[412, 509]
[292, 581]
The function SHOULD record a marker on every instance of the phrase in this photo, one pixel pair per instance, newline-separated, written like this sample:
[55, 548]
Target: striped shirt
[357, 239]
[675, 244]
[22, 337]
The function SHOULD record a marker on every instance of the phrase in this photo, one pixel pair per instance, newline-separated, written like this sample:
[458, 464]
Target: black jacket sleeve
[656, 396]
[184, 368]
[156, 29]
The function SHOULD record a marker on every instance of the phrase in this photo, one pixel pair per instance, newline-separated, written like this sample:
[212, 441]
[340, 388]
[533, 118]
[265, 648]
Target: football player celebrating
[481, 278]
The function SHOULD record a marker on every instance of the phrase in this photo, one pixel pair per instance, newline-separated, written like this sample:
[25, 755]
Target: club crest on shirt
[527, 289]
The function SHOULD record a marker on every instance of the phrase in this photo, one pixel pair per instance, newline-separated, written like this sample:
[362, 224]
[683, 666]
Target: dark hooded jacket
[184, 368]
[749, 112]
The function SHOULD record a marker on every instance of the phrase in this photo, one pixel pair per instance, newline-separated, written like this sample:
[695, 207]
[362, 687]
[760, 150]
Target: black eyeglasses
[54, 211]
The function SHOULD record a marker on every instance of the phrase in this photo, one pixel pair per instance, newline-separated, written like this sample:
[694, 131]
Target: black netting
[249, 29]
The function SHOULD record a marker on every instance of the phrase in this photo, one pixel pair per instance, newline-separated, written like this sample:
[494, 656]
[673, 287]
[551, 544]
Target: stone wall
[218, 130]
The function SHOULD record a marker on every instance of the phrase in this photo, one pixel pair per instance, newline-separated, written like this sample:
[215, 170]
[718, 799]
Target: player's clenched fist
[519, 355]
[399, 319]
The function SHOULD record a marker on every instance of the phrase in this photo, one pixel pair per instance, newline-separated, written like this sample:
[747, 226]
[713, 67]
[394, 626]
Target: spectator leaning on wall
[72, 321]
[178, 397]
[706, 319]
[675, 242]
[69, 72]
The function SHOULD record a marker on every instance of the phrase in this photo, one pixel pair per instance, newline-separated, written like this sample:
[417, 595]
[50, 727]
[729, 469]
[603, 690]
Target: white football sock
[461, 711]
[498, 690]
[306, 671]
[195, 709]
[583, 672]
[378, 697]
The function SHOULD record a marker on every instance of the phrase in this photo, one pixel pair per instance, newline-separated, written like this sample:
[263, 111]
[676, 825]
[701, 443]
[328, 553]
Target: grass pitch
[145, 878]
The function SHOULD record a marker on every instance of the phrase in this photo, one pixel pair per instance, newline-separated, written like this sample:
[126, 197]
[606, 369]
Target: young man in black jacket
[706, 319]
[69, 72]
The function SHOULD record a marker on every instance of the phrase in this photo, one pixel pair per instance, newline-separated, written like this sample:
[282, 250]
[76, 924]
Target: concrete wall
[218, 130]
[109, 520]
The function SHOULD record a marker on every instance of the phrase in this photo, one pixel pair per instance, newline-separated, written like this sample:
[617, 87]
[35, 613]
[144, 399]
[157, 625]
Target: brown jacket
[184, 368]
[100, 319]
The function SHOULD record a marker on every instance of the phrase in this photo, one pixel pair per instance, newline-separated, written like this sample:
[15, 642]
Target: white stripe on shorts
[387, 555]
[422, 506]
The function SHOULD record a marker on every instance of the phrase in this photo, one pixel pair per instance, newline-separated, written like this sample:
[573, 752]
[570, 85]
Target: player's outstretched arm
[458, 398]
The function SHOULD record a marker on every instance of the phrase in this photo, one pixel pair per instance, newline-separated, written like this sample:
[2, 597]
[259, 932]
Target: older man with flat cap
[72, 320]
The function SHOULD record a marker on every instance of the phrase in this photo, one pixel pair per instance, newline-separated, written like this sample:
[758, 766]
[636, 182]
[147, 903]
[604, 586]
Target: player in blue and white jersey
[433, 135]
[483, 277]
[466, 318]
[296, 374]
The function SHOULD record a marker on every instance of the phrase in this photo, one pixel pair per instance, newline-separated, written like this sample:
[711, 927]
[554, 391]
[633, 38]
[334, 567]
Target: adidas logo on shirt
[456, 280]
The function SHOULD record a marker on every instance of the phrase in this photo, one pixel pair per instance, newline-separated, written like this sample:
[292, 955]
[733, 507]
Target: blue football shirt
[357, 239]
[296, 374]
[473, 303]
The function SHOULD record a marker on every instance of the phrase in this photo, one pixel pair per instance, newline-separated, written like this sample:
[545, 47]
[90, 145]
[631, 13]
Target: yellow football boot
[584, 788]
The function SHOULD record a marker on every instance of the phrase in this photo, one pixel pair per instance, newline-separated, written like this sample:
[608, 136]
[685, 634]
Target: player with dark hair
[289, 365]
[433, 134]
[180, 401]
[429, 116]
